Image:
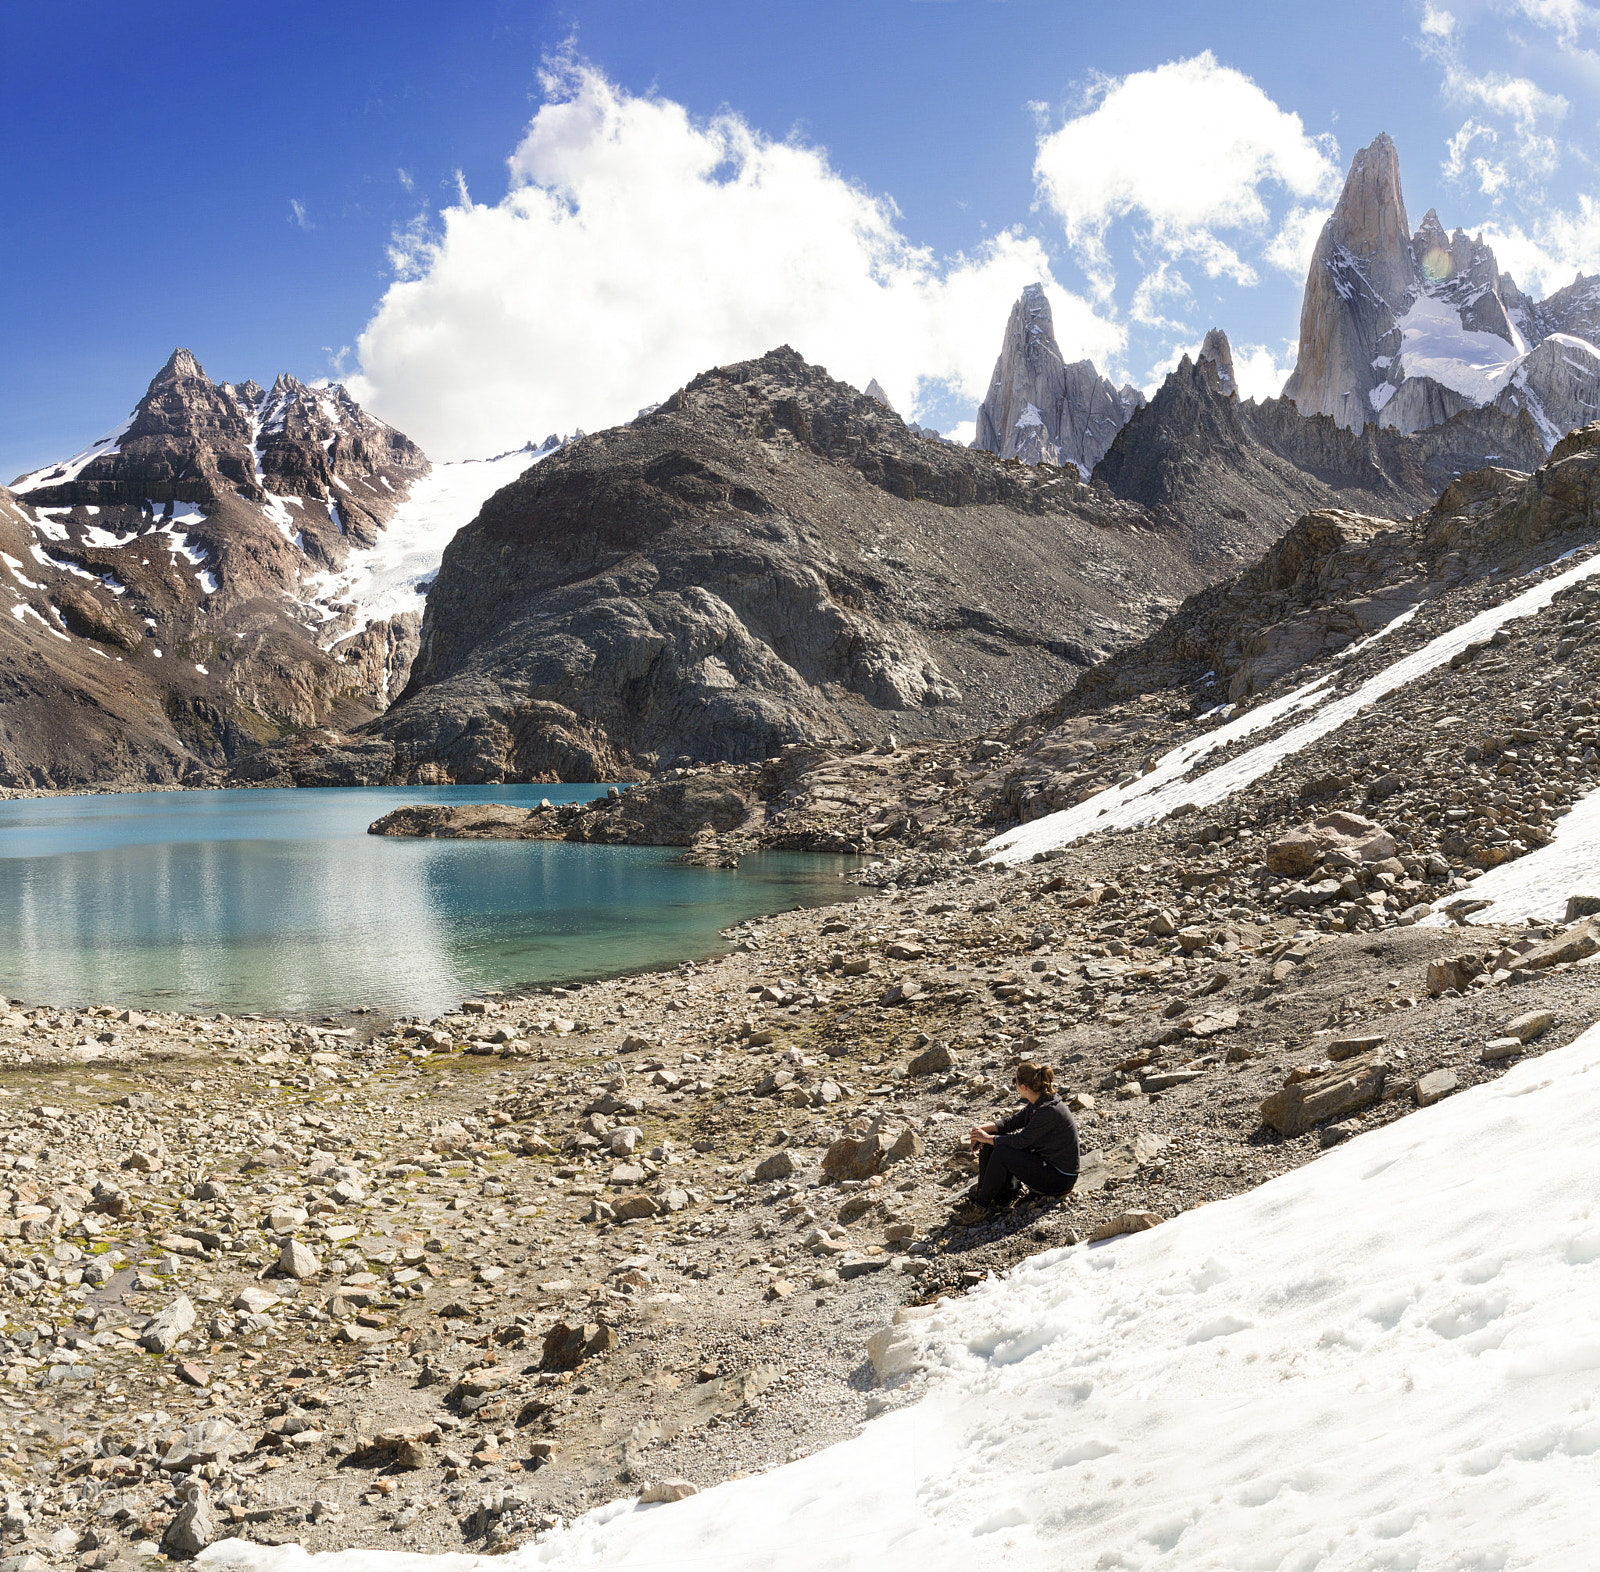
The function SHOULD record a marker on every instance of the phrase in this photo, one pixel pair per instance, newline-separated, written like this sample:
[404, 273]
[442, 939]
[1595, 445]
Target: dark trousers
[1001, 1167]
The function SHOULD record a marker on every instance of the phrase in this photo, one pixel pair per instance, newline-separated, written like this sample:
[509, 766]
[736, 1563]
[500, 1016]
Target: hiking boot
[971, 1212]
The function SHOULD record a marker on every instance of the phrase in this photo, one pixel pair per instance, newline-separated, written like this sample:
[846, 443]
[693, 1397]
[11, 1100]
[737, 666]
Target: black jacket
[1044, 1128]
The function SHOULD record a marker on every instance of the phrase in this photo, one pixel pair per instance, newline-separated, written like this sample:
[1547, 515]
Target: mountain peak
[1038, 408]
[1219, 352]
[180, 363]
[875, 390]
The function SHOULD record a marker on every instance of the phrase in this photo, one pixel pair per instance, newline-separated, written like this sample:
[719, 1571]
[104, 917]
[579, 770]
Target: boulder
[667, 1490]
[1294, 1109]
[566, 1347]
[1575, 944]
[297, 1260]
[192, 1529]
[1295, 854]
[1434, 1085]
[931, 1061]
[1530, 1024]
[162, 1331]
[779, 1166]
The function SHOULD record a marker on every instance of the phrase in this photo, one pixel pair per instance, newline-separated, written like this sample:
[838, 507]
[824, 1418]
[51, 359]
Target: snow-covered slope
[1384, 1359]
[1157, 793]
[392, 577]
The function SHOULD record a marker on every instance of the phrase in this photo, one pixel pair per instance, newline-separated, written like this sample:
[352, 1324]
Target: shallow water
[280, 902]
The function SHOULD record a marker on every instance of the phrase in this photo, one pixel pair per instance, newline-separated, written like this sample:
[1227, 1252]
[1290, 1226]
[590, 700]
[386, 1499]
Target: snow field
[1153, 796]
[394, 575]
[1388, 1358]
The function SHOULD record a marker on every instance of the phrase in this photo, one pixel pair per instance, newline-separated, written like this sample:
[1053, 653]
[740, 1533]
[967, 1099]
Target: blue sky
[498, 219]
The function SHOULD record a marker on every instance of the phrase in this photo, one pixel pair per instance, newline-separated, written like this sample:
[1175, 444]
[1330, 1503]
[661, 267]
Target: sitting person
[1036, 1146]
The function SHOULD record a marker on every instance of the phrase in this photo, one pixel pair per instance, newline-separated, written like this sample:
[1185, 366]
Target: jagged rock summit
[1405, 329]
[1040, 409]
[178, 590]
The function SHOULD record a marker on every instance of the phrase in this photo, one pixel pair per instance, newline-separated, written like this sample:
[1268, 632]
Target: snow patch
[393, 576]
[69, 469]
[1153, 796]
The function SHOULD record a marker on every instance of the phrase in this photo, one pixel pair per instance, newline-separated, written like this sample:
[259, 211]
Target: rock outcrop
[1407, 330]
[1040, 409]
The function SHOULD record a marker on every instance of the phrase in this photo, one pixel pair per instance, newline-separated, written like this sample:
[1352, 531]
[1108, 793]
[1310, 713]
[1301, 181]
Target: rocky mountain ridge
[770, 557]
[1406, 328]
[1041, 410]
[163, 585]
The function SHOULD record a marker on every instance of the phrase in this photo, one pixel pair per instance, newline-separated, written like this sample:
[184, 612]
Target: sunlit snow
[1154, 795]
[394, 575]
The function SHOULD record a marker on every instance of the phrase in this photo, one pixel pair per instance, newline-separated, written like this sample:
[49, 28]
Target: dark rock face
[769, 558]
[1238, 473]
[159, 624]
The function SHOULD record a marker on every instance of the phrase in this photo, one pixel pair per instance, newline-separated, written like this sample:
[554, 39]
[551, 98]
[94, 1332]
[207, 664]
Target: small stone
[1342, 1130]
[779, 1288]
[1436, 1084]
[633, 1206]
[193, 1374]
[254, 1300]
[668, 1490]
[779, 1166]
[1530, 1024]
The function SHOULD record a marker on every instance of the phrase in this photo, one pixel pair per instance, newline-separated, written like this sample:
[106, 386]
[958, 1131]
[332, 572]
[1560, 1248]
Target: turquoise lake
[280, 902]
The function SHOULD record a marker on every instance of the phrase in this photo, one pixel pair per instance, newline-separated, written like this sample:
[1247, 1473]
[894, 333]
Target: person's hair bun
[1038, 1078]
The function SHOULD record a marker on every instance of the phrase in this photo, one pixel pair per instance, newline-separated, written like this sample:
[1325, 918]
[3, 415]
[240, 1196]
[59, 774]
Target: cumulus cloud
[638, 245]
[1190, 151]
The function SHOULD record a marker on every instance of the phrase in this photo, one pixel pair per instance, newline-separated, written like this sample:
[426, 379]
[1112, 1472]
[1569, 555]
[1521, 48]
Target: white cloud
[297, 215]
[1259, 372]
[1531, 111]
[1164, 282]
[1562, 244]
[1569, 20]
[1292, 247]
[1190, 149]
[639, 246]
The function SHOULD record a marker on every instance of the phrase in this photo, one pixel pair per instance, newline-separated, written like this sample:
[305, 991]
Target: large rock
[1295, 854]
[163, 1330]
[194, 1527]
[1579, 941]
[1302, 1105]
